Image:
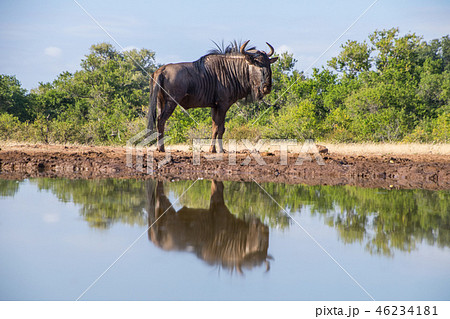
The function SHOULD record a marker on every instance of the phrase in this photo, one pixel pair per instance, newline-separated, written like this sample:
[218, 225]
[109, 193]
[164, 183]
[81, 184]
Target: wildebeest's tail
[155, 86]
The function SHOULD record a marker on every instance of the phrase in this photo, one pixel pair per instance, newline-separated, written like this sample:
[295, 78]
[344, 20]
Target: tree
[13, 98]
[353, 59]
[395, 52]
[96, 103]
[117, 81]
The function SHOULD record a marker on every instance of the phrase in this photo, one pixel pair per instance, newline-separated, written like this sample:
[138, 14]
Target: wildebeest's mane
[230, 53]
[232, 48]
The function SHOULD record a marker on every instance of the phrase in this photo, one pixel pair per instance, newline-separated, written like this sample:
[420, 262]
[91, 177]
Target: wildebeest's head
[260, 73]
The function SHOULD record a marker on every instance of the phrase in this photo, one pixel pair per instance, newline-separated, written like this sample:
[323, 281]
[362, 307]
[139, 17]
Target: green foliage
[10, 127]
[337, 126]
[432, 129]
[182, 126]
[13, 98]
[245, 131]
[391, 87]
[353, 59]
[385, 125]
[296, 121]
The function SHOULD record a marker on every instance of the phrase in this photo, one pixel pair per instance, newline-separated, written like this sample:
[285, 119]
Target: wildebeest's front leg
[164, 114]
[218, 128]
[218, 119]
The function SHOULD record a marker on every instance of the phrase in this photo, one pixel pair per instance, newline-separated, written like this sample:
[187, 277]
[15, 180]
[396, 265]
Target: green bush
[386, 125]
[64, 132]
[243, 132]
[10, 127]
[441, 127]
[432, 130]
[203, 130]
[296, 121]
[182, 126]
[336, 126]
[40, 130]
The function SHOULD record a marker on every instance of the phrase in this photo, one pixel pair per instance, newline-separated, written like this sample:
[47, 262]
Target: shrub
[64, 132]
[336, 126]
[432, 130]
[441, 127]
[180, 124]
[39, 130]
[202, 130]
[295, 121]
[243, 132]
[10, 127]
[385, 125]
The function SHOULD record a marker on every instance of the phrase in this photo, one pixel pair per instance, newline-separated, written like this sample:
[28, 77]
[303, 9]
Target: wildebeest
[213, 234]
[216, 80]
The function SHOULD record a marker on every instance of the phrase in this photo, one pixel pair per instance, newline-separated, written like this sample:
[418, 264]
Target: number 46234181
[402, 310]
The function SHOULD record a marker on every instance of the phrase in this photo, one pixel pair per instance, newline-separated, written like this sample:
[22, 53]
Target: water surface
[210, 240]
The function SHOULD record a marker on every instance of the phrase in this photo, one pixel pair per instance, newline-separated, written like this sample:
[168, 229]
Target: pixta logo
[145, 141]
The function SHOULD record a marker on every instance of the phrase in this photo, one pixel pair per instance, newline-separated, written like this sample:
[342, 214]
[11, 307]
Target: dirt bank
[426, 171]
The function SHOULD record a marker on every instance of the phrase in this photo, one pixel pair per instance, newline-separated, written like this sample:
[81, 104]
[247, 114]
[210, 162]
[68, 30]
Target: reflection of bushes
[242, 199]
[8, 188]
[382, 220]
[391, 219]
[103, 202]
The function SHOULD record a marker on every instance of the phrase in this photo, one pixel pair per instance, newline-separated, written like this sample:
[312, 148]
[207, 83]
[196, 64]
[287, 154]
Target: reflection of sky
[49, 252]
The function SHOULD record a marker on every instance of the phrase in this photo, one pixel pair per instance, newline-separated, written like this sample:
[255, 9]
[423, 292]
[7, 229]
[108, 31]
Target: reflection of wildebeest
[216, 80]
[213, 234]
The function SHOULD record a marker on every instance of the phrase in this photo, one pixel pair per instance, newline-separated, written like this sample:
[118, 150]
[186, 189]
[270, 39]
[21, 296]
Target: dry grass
[350, 149]
[389, 149]
[336, 148]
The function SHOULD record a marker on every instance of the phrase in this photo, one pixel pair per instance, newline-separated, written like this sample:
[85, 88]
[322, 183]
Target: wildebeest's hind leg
[218, 128]
[167, 110]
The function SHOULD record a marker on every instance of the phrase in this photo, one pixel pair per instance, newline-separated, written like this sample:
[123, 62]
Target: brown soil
[367, 170]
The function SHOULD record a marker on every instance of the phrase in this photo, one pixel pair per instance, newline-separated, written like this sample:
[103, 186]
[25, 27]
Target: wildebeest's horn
[242, 50]
[271, 49]
[267, 265]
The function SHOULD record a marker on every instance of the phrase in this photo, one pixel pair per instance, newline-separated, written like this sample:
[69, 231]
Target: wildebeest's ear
[273, 60]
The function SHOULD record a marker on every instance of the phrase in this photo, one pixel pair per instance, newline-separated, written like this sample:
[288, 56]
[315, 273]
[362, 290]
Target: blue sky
[40, 39]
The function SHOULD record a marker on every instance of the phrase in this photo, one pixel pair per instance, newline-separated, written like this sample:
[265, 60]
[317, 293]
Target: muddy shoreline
[93, 162]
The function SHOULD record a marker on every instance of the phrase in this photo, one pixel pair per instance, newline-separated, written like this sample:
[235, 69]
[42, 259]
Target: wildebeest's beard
[261, 81]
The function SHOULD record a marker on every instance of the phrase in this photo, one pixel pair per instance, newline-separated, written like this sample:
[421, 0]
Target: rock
[322, 149]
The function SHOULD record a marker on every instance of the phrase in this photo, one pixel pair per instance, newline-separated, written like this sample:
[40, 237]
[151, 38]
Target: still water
[210, 240]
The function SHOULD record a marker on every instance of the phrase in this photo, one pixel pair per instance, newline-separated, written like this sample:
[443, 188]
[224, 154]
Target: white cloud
[53, 52]
[50, 218]
[129, 48]
[284, 48]
[171, 58]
